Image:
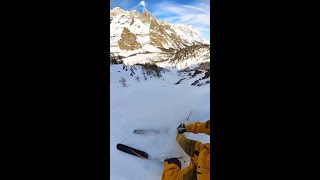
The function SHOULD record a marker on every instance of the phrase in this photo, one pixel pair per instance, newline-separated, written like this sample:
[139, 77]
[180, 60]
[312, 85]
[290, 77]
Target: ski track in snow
[153, 103]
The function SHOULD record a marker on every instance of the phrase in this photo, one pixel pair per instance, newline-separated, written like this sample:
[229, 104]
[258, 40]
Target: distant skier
[199, 168]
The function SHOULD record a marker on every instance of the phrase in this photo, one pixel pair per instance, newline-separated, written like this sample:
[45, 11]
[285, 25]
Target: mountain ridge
[148, 30]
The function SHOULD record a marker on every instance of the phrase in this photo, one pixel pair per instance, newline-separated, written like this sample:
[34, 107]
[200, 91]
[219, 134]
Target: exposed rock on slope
[128, 40]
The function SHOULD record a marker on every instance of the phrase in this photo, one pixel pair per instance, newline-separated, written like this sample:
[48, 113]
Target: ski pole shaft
[189, 116]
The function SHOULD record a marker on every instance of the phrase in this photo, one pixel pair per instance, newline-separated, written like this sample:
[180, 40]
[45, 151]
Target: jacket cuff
[188, 128]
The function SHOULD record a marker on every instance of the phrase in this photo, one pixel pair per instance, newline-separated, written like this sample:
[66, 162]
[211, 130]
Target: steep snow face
[150, 31]
[153, 103]
[189, 35]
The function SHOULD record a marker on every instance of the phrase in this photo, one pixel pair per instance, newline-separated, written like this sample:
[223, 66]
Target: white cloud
[196, 14]
[142, 3]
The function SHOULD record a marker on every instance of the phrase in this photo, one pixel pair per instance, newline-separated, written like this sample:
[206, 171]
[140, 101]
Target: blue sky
[192, 12]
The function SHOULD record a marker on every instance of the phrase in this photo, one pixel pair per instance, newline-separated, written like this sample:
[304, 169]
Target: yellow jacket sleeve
[199, 127]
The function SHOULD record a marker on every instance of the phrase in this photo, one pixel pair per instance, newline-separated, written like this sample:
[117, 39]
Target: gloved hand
[173, 161]
[181, 129]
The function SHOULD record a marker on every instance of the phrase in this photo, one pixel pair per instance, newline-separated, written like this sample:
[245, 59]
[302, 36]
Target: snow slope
[153, 103]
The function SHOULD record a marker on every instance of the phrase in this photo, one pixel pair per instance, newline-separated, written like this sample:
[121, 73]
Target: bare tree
[123, 81]
[115, 59]
[144, 75]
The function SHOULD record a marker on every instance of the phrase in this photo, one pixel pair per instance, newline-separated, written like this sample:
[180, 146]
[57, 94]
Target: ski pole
[189, 116]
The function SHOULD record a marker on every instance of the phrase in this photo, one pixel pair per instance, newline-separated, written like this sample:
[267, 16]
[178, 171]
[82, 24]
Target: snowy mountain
[142, 38]
[130, 30]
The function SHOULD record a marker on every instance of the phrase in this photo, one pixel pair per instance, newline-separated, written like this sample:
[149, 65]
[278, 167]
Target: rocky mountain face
[128, 40]
[131, 30]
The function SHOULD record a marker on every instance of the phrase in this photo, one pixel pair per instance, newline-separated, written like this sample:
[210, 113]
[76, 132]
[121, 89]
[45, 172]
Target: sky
[191, 12]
